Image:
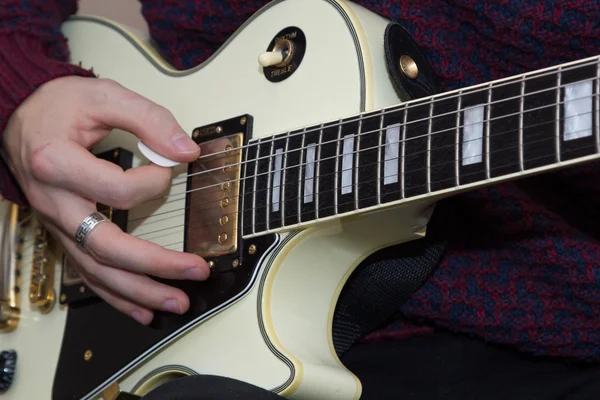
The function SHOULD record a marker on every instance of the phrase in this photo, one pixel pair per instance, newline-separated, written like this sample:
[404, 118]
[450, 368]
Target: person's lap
[440, 366]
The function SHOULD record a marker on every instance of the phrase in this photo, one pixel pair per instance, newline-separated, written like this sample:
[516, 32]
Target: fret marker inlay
[392, 154]
[276, 184]
[347, 164]
[472, 146]
[309, 173]
[578, 110]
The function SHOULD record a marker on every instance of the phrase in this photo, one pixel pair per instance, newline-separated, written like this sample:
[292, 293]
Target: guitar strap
[381, 285]
[388, 278]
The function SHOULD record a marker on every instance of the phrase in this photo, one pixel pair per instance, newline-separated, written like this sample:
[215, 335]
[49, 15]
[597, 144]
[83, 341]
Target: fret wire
[300, 172]
[507, 148]
[429, 146]
[356, 163]
[337, 174]
[580, 64]
[236, 213]
[497, 150]
[254, 191]
[500, 166]
[256, 175]
[521, 123]
[521, 111]
[283, 173]
[499, 178]
[457, 148]
[379, 157]
[318, 172]
[402, 169]
[268, 206]
[597, 101]
[557, 127]
[487, 133]
[183, 177]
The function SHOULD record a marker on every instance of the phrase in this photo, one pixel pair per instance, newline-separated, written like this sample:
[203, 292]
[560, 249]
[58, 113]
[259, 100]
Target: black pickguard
[115, 340]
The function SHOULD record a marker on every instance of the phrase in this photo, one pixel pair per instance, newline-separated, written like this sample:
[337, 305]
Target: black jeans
[441, 367]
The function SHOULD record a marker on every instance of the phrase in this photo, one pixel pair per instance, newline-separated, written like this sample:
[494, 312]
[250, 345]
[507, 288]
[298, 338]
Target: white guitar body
[278, 335]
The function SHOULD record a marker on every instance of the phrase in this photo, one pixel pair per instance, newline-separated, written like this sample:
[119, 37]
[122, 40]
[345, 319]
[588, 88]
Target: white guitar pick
[155, 157]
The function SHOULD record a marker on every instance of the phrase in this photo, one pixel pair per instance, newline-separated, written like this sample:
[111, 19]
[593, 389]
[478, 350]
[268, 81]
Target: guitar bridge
[41, 287]
[213, 189]
[15, 220]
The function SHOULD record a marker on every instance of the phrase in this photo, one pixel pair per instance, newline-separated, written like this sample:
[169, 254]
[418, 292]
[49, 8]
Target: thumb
[153, 124]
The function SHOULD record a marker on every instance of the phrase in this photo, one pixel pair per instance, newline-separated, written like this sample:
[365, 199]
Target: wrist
[25, 67]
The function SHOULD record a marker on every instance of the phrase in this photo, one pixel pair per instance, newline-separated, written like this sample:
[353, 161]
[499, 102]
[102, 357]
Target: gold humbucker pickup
[214, 188]
[213, 197]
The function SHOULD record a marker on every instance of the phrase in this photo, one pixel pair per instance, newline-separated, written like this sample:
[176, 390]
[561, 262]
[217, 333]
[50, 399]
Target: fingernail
[172, 306]
[183, 143]
[194, 274]
[137, 316]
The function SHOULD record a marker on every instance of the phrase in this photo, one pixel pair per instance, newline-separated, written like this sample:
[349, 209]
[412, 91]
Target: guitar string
[495, 135]
[518, 80]
[453, 146]
[454, 94]
[402, 175]
[462, 177]
[395, 192]
[378, 114]
[376, 147]
[358, 135]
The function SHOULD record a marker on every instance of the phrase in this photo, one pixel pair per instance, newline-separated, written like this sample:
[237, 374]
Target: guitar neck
[455, 141]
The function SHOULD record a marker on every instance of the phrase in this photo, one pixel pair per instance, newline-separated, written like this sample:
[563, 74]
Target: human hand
[46, 146]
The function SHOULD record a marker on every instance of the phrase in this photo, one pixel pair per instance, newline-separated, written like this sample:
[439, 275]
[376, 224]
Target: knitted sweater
[522, 267]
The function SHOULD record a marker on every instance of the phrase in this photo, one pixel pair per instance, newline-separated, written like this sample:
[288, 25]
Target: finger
[141, 289]
[142, 315]
[134, 287]
[72, 167]
[109, 245]
[117, 107]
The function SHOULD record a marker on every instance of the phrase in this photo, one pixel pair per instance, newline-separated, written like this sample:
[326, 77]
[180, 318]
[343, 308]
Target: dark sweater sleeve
[33, 51]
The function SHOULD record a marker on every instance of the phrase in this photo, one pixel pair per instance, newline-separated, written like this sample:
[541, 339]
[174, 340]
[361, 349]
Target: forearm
[33, 51]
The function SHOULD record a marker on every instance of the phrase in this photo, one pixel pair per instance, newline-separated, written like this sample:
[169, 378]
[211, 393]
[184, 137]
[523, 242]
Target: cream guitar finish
[278, 334]
[331, 83]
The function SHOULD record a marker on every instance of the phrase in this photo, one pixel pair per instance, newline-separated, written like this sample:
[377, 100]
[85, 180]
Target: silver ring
[87, 225]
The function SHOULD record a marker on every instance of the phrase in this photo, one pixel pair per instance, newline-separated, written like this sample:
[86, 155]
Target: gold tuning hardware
[15, 220]
[41, 287]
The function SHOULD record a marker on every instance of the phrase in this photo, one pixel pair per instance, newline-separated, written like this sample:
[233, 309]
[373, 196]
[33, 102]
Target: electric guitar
[323, 140]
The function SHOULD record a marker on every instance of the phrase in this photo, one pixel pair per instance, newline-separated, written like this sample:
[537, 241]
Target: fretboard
[457, 140]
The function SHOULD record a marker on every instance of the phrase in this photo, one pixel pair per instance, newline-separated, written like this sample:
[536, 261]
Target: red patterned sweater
[523, 267]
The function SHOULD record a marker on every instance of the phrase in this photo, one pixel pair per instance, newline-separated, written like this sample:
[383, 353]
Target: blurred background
[127, 12]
